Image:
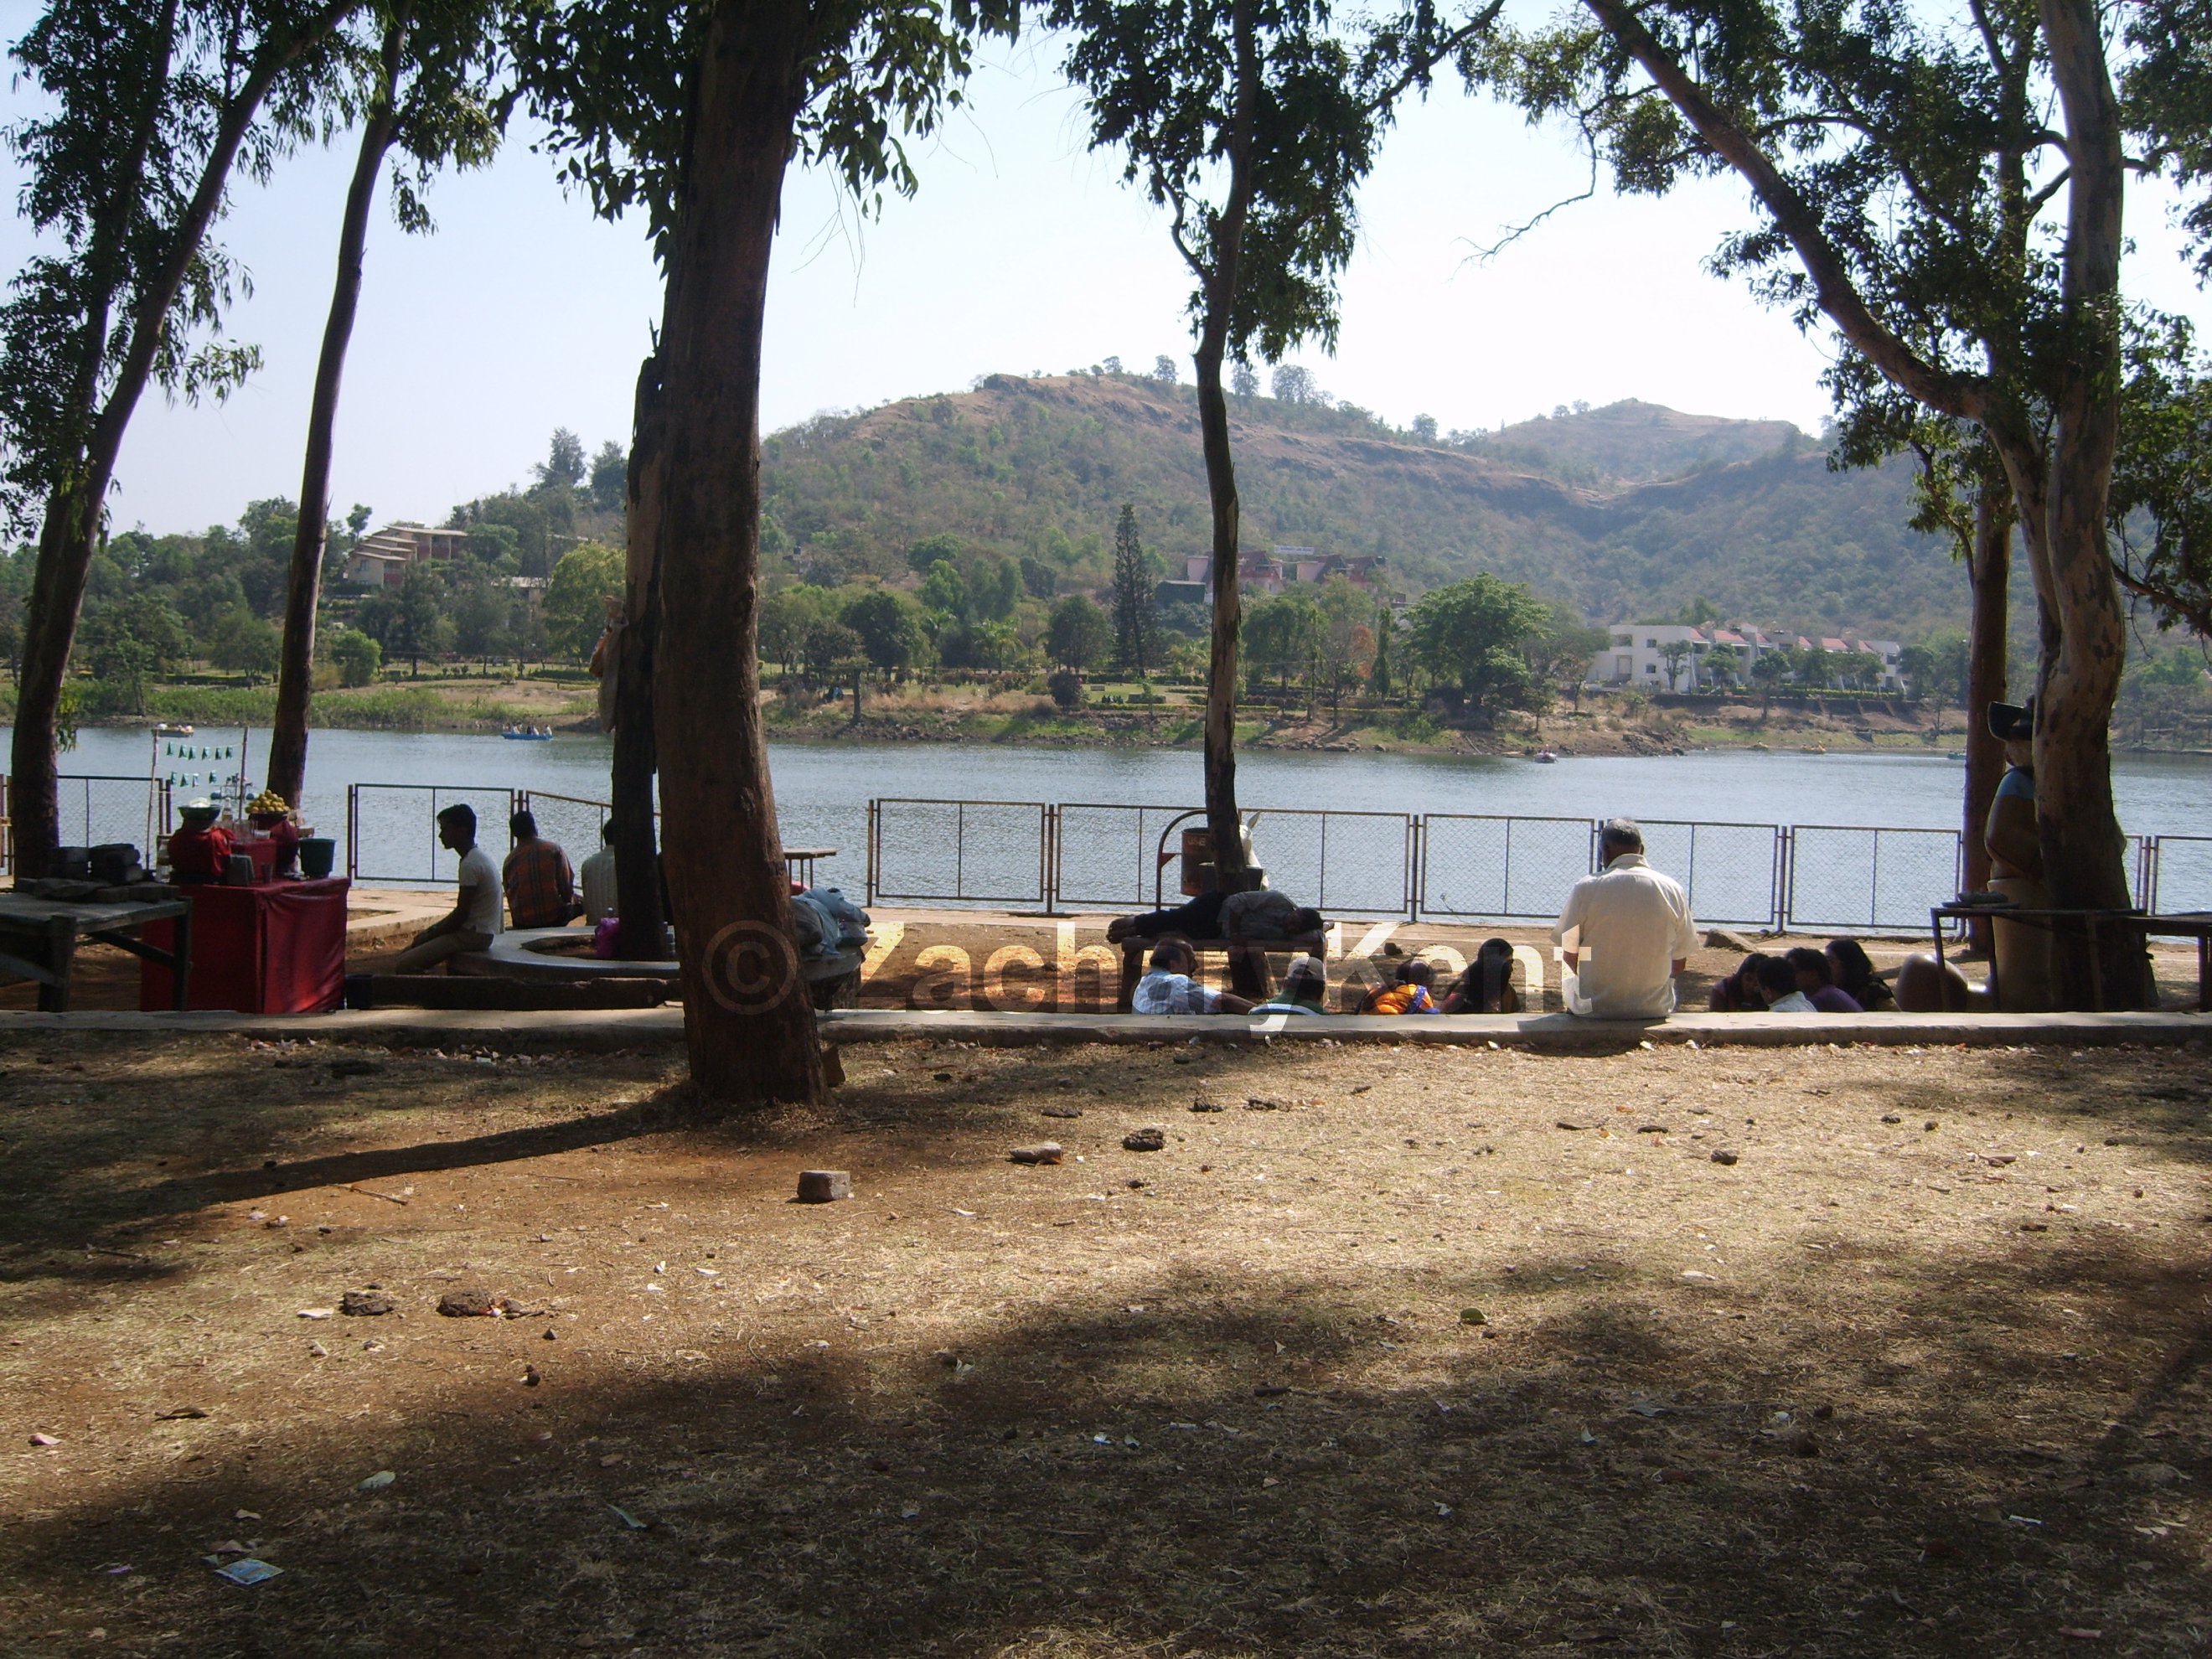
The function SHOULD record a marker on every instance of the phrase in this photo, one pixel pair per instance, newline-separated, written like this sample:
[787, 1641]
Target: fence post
[1047, 872]
[1416, 864]
[868, 851]
[353, 832]
[1786, 880]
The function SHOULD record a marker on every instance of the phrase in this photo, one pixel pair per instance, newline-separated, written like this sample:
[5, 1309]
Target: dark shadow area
[1886, 1448]
[1211, 1478]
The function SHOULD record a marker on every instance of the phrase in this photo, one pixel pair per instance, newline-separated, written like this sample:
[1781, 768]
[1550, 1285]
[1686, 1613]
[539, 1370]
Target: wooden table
[801, 861]
[39, 936]
[2192, 924]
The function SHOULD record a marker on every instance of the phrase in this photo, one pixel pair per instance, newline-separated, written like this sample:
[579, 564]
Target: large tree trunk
[1989, 571]
[643, 934]
[295, 673]
[73, 509]
[2084, 854]
[1223, 821]
[747, 1017]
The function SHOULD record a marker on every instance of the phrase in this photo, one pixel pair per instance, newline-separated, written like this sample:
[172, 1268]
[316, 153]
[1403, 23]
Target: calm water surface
[822, 789]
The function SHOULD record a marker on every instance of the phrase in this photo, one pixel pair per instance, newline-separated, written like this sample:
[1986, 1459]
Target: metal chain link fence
[1109, 854]
[392, 830]
[959, 851]
[1841, 877]
[1730, 871]
[1500, 869]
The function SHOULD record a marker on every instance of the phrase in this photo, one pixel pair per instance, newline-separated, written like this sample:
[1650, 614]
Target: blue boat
[528, 734]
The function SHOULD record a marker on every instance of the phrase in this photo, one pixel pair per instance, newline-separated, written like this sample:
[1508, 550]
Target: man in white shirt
[1627, 932]
[474, 919]
[1168, 988]
[598, 879]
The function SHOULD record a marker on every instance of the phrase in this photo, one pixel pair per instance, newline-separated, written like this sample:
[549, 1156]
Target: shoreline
[475, 707]
[1016, 732]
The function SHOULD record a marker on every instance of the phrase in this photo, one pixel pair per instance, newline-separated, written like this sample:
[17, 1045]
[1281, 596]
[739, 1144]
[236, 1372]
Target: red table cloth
[275, 947]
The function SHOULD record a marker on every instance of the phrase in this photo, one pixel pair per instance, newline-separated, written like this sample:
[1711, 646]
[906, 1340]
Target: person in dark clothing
[1854, 972]
[1199, 919]
[1817, 981]
[1739, 992]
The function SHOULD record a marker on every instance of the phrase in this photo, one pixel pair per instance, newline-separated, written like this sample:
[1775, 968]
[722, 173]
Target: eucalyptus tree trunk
[748, 1021]
[2084, 852]
[1222, 820]
[295, 671]
[642, 934]
[76, 505]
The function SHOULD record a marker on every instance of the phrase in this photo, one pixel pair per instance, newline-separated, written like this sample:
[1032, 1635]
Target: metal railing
[1847, 876]
[399, 821]
[98, 809]
[961, 852]
[1478, 868]
[1446, 866]
[2176, 874]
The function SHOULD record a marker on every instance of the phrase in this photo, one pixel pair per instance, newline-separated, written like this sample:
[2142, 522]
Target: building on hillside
[383, 559]
[1678, 657]
[1282, 568]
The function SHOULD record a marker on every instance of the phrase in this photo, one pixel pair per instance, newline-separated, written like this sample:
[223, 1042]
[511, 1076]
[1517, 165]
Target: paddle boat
[528, 734]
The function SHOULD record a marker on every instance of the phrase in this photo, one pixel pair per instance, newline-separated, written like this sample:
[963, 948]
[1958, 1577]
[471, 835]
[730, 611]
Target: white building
[1678, 657]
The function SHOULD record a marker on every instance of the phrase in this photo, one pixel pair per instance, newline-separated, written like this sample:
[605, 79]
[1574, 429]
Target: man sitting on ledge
[474, 918]
[1633, 927]
[1168, 988]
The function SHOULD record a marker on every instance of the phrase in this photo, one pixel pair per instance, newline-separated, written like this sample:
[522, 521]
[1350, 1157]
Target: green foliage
[1472, 637]
[942, 590]
[610, 79]
[1136, 629]
[588, 578]
[2161, 502]
[356, 656]
[138, 109]
[1250, 122]
[889, 625]
[245, 644]
[564, 467]
[1079, 635]
[786, 617]
[943, 548]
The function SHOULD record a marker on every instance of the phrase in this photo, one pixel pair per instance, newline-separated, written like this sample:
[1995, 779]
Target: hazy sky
[1022, 252]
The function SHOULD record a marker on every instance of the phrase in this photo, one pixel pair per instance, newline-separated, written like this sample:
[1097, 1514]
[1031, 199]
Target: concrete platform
[663, 1027]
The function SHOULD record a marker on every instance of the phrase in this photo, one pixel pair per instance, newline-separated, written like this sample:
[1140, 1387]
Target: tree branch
[1964, 396]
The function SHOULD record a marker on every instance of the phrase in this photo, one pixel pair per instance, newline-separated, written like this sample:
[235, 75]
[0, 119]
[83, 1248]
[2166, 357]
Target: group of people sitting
[1171, 986]
[1839, 979]
[534, 887]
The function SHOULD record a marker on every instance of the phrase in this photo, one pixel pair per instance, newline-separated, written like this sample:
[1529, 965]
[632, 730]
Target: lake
[822, 789]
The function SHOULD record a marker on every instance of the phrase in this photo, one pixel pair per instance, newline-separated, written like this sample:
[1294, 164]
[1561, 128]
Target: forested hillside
[1632, 510]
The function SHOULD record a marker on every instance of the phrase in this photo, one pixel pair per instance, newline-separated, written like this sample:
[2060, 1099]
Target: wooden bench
[1249, 974]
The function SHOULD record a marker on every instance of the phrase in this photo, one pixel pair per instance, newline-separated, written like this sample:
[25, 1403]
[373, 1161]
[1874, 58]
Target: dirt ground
[1398, 1352]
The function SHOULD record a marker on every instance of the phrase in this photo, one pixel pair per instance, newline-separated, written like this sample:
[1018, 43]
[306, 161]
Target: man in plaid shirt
[540, 888]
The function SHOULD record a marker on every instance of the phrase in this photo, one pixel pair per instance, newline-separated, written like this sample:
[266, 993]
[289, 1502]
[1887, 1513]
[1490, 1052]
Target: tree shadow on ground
[1216, 1458]
[1218, 1474]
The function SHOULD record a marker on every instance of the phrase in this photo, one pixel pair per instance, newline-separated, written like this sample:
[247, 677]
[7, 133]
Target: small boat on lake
[1548, 756]
[168, 729]
[528, 734]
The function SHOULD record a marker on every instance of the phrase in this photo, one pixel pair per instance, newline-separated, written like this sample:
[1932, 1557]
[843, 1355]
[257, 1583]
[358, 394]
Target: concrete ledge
[1561, 1033]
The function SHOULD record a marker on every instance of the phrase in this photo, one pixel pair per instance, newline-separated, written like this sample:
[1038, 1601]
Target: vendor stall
[267, 947]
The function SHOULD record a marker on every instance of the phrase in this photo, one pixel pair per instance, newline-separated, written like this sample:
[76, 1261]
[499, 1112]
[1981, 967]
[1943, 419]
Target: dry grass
[1219, 1400]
